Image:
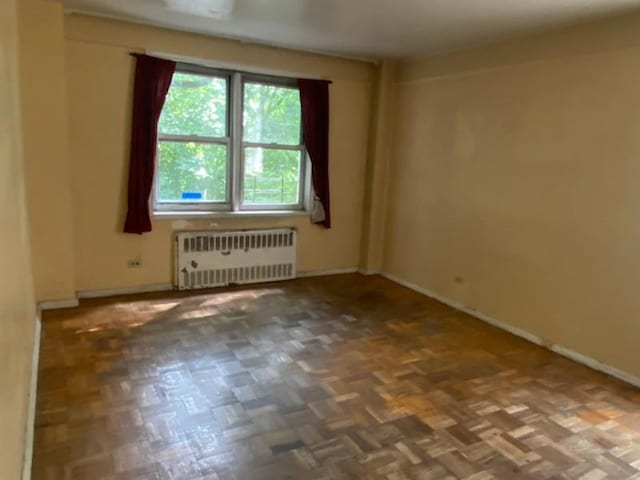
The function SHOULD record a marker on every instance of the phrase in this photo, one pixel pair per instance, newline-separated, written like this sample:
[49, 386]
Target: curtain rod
[227, 66]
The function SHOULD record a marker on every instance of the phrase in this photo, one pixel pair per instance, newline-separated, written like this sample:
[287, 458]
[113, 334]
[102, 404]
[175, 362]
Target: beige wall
[379, 158]
[46, 153]
[99, 84]
[515, 185]
[17, 312]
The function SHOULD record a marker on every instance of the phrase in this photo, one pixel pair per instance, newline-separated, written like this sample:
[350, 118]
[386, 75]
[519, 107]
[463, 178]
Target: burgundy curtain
[153, 78]
[314, 99]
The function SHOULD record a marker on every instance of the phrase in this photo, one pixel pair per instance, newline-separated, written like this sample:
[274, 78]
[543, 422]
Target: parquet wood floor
[328, 378]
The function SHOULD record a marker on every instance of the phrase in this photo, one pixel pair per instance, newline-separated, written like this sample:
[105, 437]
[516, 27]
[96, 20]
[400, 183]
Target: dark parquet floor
[327, 378]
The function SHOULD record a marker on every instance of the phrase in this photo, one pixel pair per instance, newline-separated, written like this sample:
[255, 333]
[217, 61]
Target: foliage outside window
[230, 141]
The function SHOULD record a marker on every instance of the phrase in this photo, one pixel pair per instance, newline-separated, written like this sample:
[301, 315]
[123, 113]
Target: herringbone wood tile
[328, 378]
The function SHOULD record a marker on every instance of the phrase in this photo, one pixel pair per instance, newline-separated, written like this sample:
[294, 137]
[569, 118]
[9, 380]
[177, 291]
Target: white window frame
[236, 145]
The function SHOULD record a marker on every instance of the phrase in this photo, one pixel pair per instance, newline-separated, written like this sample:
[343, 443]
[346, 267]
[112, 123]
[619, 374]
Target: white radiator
[214, 259]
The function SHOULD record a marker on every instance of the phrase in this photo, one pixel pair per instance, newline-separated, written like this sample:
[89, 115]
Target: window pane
[271, 114]
[192, 172]
[195, 105]
[271, 176]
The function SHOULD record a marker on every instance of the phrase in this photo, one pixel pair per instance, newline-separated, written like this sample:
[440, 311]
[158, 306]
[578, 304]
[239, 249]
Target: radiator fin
[212, 259]
[228, 242]
[228, 276]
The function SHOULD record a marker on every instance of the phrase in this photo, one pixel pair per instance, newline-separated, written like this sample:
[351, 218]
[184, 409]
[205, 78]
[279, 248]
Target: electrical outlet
[137, 263]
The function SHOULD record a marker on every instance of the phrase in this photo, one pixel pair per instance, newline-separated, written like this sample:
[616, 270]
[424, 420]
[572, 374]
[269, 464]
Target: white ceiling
[360, 28]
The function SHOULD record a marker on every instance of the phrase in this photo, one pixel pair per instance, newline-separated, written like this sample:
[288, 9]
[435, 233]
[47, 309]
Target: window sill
[203, 215]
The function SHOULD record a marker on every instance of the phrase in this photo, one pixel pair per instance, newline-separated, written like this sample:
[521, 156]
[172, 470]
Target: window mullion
[274, 146]
[164, 137]
[236, 142]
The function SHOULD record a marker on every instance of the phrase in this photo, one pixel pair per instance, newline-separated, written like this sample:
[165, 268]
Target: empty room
[304, 239]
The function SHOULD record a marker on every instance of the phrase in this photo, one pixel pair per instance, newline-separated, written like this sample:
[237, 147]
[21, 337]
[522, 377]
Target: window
[230, 141]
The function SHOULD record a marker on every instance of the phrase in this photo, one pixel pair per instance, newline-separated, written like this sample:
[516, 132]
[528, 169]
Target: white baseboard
[31, 409]
[57, 304]
[163, 287]
[368, 273]
[323, 273]
[559, 349]
[113, 292]
[595, 364]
